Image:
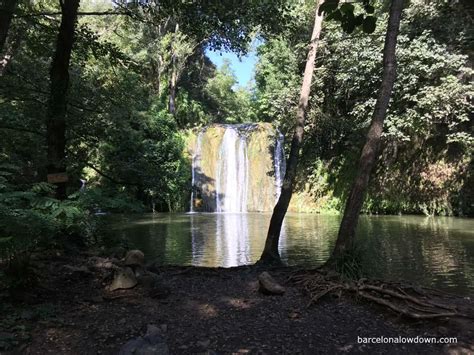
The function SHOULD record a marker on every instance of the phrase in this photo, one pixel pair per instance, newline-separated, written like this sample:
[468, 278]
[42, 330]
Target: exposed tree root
[406, 300]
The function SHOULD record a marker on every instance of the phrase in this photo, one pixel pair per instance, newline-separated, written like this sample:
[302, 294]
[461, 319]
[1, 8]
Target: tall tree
[370, 151]
[59, 76]
[270, 253]
[6, 14]
[174, 75]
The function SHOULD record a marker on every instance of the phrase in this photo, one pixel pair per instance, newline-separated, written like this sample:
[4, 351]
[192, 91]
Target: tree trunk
[10, 49]
[174, 76]
[370, 151]
[7, 8]
[59, 75]
[270, 253]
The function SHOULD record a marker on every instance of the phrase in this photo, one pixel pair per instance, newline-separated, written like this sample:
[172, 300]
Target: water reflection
[433, 251]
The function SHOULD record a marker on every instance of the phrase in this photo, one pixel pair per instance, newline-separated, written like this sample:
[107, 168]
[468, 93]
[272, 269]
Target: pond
[432, 251]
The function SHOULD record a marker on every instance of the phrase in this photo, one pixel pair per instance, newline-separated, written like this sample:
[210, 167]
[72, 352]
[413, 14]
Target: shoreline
[204, 310]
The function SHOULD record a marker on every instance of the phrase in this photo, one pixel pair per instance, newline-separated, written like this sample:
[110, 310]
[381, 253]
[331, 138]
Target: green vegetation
[140, 81]
[426, 162]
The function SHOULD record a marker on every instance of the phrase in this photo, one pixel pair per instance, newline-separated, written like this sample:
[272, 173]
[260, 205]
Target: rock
[134, 258]
[123, 279]
[268, 285]
[153, 343]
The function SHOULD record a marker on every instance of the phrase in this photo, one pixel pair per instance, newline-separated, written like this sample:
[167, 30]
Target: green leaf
[328, 6]
[346, 8]
[369, 24]
[335, 15]
[369, 9]
[359, 20]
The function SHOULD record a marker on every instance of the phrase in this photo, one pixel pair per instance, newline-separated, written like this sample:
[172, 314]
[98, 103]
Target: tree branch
[115, 181]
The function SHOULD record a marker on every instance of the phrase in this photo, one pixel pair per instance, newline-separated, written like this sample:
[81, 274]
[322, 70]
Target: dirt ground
[208, 311]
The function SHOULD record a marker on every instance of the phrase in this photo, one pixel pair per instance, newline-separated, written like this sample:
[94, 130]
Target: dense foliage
[140, 80]
[426, 165]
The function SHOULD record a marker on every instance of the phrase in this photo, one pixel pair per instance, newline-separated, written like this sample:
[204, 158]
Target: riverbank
[201, 310]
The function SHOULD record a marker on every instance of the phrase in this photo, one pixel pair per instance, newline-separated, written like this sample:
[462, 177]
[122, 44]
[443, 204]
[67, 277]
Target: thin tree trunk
[7, 55]
[174, 76]
[370, 151]
[270, 253]
[59, 74]
[7, 8]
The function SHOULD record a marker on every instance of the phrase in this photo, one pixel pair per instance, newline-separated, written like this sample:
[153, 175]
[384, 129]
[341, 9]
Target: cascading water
[280, 164]
[195, 164]
[231, 182]
[237, 168]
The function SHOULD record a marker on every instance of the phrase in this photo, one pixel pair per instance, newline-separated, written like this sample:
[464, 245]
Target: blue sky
[243, 67]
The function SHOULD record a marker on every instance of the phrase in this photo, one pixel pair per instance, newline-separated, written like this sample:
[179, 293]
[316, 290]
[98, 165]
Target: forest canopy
[141, 82]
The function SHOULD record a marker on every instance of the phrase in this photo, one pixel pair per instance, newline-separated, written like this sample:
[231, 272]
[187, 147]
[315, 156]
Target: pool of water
[432, 251]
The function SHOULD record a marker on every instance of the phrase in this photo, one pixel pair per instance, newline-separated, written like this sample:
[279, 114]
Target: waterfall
[232, 173]
[280, 165]
[195, 165]
[237, 168]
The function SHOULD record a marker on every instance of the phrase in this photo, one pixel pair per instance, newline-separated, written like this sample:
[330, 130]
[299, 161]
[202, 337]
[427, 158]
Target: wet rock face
[237, 168]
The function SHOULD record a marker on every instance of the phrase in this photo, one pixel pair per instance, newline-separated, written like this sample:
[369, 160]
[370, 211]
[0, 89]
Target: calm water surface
[433, 251]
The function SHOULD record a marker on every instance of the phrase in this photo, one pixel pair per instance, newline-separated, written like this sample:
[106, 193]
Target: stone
[123, 279]
[268, 285]
[135, 258]
[153, 343]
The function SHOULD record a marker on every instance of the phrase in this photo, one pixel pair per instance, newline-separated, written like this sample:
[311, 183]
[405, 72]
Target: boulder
[135, 258]
[123, 279]
[268, 285]
[153, 343]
